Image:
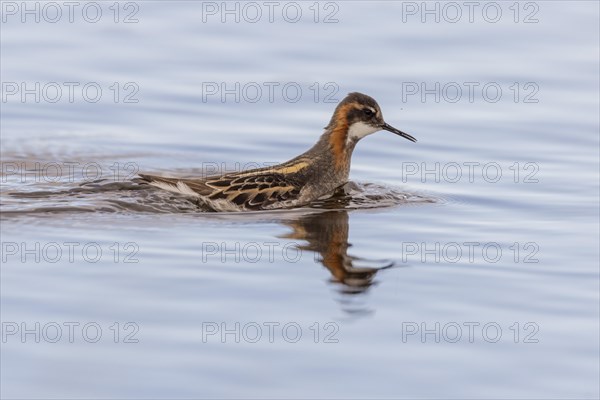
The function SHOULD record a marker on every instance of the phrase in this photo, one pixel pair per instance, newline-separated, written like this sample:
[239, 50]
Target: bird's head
[359, 115]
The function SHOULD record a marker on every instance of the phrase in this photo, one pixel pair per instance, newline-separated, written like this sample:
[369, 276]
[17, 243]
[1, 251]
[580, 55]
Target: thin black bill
[398, 132]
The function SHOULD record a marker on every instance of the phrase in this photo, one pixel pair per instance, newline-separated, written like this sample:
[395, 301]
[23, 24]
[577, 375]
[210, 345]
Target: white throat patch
[359, 130]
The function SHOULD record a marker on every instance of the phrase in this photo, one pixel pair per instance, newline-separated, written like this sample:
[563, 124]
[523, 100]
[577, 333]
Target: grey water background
[178, 275]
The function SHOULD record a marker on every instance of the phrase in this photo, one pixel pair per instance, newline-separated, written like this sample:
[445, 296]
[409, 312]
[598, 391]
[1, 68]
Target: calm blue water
[461, 266]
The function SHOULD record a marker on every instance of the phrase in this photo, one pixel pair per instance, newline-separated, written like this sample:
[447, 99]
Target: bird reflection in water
[326, 234]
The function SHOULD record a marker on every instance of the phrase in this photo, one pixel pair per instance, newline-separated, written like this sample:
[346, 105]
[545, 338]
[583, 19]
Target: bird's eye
[368, 112]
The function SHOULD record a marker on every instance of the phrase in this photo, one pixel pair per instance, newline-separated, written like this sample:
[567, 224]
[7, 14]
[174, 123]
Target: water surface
[461, 266]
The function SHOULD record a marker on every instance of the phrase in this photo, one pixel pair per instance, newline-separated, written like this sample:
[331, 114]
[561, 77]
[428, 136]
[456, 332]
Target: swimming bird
[312, 175]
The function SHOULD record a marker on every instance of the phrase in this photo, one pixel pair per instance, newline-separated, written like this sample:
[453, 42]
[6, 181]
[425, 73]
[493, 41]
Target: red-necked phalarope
[310, 176]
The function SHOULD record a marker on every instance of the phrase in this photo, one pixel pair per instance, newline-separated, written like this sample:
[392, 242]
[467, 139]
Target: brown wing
[255, 189]
[252, 190]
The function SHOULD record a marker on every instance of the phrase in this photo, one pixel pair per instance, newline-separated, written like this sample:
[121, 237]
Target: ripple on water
[137, 197]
